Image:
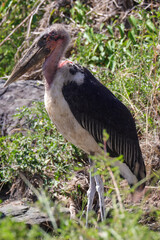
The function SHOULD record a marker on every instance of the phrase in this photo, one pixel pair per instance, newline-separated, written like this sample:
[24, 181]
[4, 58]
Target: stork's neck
[51, 63]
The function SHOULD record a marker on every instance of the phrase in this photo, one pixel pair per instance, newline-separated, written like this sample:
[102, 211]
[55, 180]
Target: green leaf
[111, 45]
[94, 58]
[121, 29]
[110, 30]
[150, 26]
[101, 48]
[127, 52]
[133, 21]
[132, 36]
[88, 37]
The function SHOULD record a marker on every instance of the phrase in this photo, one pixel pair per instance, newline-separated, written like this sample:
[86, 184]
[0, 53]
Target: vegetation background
[119, 42]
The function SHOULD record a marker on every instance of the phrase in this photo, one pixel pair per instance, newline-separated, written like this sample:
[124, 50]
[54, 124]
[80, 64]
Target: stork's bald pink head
[50, 45]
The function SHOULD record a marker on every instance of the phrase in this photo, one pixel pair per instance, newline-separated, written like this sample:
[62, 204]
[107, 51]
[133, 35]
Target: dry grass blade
[116, 188]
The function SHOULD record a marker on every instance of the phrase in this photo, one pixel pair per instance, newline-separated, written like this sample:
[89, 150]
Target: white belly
[61, 115]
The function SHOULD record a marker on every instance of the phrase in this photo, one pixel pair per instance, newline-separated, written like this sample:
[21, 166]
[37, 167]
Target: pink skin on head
[52, 62]
[61, 64]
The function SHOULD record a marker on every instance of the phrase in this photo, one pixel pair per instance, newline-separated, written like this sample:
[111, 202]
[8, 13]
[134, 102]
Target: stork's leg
[95, 184]
[100, 190]
[90, 193]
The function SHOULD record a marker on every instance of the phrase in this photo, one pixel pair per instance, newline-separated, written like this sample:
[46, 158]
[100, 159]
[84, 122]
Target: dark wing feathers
[96, 109]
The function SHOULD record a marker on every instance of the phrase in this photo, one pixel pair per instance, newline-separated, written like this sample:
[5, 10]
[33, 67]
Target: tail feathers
[140, 171]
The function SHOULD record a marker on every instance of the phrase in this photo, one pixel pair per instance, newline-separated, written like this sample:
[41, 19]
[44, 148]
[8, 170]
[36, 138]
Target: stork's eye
[45, 37]
[52, 37]
[42, 41]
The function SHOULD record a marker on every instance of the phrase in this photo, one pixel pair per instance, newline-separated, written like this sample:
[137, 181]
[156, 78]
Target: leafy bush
[11, 230]
[40, 149]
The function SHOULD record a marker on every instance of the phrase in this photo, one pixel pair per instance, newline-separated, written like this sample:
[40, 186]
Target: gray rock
[16, 95]
[22, 212]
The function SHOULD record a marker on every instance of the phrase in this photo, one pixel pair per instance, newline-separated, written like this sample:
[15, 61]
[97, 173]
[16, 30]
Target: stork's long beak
[33, 56]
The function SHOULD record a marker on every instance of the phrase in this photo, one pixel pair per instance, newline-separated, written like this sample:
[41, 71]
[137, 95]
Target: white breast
[61, 115]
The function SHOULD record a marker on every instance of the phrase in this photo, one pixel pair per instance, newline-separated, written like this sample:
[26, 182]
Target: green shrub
[39, 148]
[11, 230]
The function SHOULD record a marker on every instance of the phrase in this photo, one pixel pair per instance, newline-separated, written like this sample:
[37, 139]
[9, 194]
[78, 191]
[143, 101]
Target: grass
[18, 231]
[128, 63]
[38, 148]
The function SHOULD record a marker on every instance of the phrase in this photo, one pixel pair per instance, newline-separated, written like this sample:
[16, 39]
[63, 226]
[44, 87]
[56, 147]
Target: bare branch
[30, 15]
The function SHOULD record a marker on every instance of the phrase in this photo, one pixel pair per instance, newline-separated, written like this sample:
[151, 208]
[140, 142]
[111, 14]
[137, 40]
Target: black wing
[96, 109]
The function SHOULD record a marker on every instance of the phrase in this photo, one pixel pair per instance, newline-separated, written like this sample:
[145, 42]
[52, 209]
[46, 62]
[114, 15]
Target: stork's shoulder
[77, 71]
[68, 72]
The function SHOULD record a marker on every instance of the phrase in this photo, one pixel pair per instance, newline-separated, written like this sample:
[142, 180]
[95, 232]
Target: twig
[33, 12]
[116, 4]
[116, 188]
[29, 26]
[112, 176]
[152, 187]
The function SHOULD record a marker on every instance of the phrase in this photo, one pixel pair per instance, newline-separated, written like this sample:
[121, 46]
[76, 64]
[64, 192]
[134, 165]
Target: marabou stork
[81, 108]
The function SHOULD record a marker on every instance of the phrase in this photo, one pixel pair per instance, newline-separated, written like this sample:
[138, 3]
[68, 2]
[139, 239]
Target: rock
[16, 95]
[14, 208]
[20, 211]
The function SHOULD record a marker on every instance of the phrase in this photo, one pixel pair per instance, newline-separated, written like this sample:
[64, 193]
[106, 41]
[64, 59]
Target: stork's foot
[100, 190]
